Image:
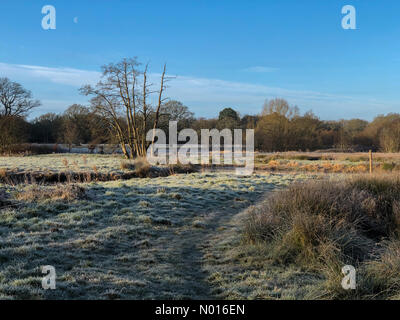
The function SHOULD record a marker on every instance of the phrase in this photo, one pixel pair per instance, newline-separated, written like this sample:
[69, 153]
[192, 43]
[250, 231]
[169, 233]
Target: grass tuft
[36, 193]
[322, 226]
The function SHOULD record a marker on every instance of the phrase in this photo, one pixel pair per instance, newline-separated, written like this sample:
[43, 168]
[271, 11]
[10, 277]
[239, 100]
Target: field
[62, 162]
[327, 162]
[278, 234]
[138, 239]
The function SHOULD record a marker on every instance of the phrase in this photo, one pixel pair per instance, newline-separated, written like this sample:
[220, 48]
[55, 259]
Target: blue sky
[224, 53]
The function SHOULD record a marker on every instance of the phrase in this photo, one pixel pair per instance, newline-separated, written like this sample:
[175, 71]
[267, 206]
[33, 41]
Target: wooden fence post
[370, 161]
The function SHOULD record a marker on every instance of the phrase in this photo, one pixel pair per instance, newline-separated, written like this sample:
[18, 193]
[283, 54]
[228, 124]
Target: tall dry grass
[322, 226]
[65, 192]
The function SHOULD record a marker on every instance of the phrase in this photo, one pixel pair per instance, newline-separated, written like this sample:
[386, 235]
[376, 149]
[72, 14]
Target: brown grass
[182, 168]
[3, 173]
[35, 192]
[140, 165]
[322, 226]
[340, 156]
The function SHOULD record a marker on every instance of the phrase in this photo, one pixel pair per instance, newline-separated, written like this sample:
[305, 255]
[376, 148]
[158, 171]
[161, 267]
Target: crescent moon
[76, 20]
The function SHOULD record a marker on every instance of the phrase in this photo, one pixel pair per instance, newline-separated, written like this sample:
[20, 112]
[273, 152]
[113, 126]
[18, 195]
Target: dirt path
[195, 246]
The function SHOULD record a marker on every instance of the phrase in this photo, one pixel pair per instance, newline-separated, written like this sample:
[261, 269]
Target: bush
[36, 193]
[322, 226]
[140, 166]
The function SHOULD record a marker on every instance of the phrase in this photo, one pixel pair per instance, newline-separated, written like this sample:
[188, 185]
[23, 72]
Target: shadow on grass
[124, 242]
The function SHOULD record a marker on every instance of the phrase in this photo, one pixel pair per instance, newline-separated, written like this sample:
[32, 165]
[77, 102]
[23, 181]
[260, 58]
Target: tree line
[125, 106]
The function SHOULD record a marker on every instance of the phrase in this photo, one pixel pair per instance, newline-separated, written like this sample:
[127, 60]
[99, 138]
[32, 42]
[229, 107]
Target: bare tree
[123, 97]
[15, 100]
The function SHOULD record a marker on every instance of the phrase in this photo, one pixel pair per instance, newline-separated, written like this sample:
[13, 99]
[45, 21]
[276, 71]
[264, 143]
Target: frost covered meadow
[143, 238]
[62, 162]
[192, 232]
